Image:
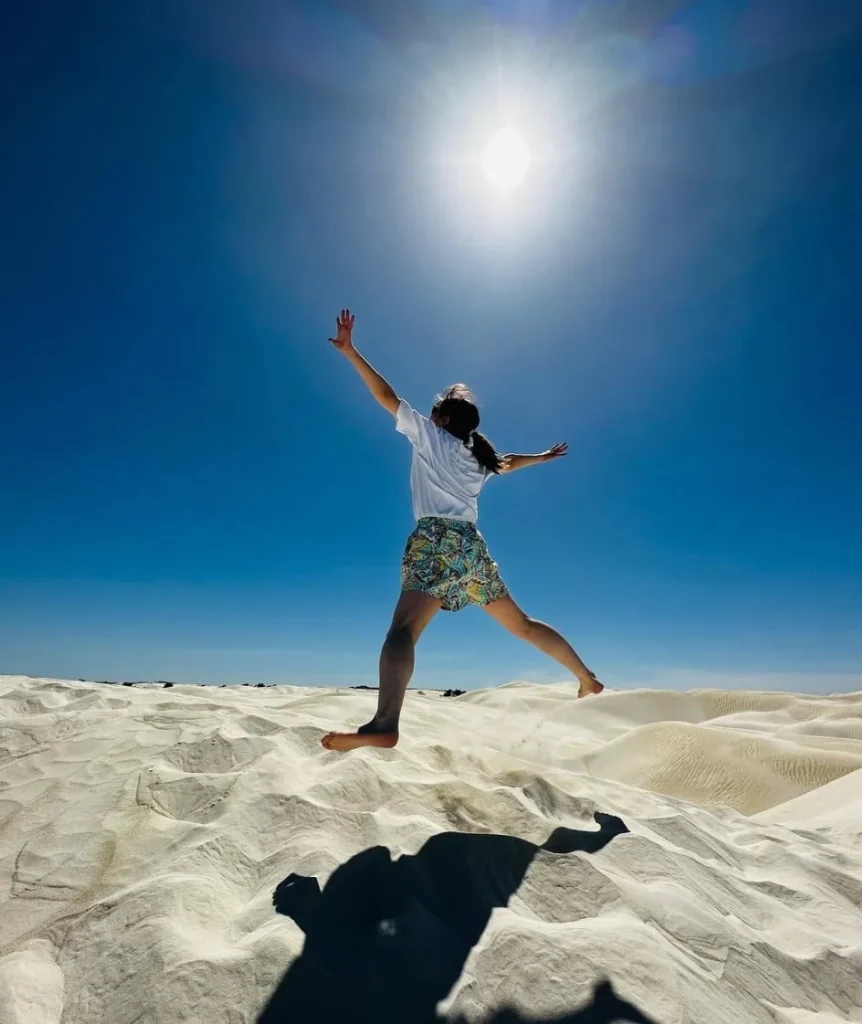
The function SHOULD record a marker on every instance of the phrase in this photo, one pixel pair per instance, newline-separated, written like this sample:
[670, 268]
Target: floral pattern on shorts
[449, 559]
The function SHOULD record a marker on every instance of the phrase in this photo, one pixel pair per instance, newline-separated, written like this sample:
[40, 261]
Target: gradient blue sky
[196, 487]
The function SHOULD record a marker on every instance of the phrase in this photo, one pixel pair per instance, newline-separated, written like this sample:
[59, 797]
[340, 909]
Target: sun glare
[506, 159]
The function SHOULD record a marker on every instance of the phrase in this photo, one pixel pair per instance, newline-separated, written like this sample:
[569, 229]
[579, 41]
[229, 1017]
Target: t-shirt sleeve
[412, 424]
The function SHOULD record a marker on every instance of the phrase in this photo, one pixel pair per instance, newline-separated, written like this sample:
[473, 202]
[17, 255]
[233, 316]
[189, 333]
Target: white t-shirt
[445, 477]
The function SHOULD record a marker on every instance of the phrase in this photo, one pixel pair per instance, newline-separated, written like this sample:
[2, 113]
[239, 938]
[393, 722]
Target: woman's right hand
[343, 339]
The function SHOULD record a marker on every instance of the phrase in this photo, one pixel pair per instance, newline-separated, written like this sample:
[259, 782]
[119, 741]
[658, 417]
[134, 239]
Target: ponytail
[461, 416]
[484, 453]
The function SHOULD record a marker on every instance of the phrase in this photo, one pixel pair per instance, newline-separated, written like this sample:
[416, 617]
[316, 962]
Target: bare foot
[590, 686]
[352, 740]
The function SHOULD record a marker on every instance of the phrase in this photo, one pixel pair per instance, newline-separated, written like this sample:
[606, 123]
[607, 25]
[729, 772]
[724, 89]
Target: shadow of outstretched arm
[298, 897]
[569, 840]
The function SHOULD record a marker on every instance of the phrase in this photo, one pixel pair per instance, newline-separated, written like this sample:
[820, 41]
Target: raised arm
[379, 387]
[513, 462]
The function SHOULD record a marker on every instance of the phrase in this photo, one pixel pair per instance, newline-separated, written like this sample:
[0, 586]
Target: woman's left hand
[556, 451]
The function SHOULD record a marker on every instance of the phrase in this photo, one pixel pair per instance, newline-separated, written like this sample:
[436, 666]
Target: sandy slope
[143, 831]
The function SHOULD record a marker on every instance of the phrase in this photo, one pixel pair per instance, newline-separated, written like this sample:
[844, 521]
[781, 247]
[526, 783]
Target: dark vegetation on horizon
[165, 683]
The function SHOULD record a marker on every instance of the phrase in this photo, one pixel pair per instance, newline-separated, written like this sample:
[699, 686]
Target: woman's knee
[522, 626]
[400, 635]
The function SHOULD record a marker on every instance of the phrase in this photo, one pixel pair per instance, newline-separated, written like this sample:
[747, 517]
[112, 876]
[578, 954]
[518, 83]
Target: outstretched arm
[513, 462]
[379, 387]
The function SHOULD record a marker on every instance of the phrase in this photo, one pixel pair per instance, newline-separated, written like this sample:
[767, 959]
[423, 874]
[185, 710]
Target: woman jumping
[446, 563]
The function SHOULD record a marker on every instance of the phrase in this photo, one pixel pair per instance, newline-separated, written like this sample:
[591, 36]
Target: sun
[506, 159]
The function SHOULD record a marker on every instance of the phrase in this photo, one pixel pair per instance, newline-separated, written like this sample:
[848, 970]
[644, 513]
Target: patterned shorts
[449, 559]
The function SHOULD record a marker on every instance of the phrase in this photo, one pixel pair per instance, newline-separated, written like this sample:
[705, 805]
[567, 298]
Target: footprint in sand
[216, 755]
[195, 798]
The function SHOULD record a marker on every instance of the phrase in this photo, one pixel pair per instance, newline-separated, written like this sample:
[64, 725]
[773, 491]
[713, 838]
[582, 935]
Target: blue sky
[196, 487]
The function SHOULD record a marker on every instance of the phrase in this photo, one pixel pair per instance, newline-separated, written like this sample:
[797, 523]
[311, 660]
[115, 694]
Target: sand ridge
[144, 830]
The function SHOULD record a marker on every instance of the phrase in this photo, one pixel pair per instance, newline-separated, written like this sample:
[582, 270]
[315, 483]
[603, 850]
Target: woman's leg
[546, 638]
[413, 612]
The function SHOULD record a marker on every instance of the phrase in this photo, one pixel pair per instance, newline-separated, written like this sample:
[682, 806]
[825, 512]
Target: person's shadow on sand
[386, 940]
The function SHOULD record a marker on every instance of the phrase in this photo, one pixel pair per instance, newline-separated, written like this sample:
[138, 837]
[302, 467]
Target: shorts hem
[491, 600]
[417, 588]
[448, 607]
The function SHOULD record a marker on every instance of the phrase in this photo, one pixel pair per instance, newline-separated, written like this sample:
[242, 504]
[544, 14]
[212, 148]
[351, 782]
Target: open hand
[556, 452]
[343, 339]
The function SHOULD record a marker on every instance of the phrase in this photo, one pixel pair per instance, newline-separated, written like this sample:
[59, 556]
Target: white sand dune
[143, 831]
